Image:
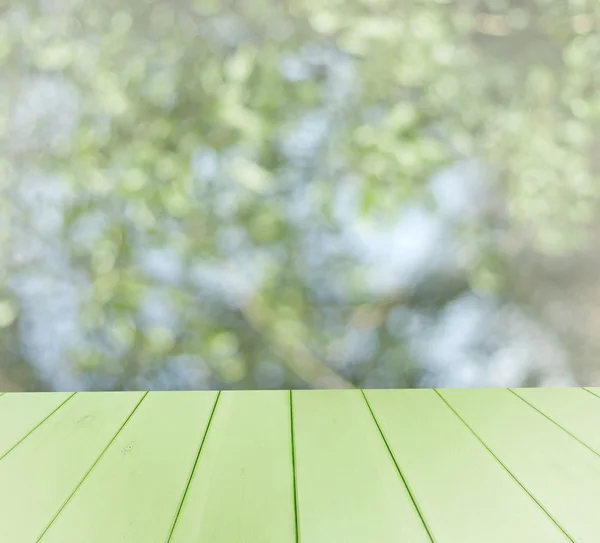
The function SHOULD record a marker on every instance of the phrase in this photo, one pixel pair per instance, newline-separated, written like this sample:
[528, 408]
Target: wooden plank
[21, 412]
[557, 470]
[243, 487]
[40, 475]
[135, 490]
[574, 409]
[348, 488]
[593, 390]
[438, 455]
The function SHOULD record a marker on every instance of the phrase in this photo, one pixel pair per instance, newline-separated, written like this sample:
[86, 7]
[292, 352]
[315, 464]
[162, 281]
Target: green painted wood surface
[575, 410]
[414, 466]
[20, 413]
[557, 470]
[55, 459]
[134, 492]
[348, 486]
[244, 470]
[432, 444]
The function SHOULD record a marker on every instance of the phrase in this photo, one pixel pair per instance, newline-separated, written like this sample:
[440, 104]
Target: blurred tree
[200, 162]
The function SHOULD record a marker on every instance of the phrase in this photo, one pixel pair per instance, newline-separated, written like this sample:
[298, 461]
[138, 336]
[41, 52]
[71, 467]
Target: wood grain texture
[244, 474]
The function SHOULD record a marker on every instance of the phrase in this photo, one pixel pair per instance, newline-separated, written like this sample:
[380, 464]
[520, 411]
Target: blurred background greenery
[309, 193]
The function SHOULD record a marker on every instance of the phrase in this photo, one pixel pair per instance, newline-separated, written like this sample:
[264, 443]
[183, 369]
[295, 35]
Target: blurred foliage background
[307, 193]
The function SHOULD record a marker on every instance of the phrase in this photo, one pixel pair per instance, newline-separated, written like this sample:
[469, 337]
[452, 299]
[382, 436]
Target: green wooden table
[373, 466]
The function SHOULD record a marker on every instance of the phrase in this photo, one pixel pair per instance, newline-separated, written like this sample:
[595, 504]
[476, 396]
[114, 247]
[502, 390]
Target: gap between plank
[36, 426]
[294, 476]
[591, 392]
[554, 422]
[410, 494]
[78, 486]
[193, 471]
[562, 529]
